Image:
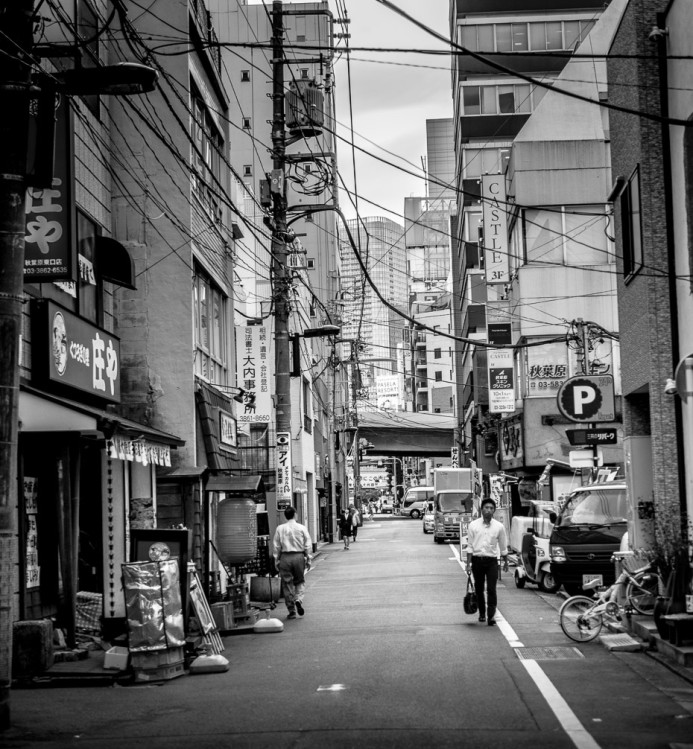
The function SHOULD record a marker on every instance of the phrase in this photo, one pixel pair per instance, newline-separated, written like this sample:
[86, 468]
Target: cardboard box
[152, 659]
[163, 673]
[223, 615]
[117, 658]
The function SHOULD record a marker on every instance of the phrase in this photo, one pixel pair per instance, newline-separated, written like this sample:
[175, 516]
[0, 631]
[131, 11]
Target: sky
[392, 96]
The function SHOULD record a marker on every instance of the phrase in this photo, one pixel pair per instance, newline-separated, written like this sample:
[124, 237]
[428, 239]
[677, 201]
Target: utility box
[639, 481]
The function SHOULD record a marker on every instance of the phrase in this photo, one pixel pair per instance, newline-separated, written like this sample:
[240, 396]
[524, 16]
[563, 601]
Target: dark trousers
[485, 573]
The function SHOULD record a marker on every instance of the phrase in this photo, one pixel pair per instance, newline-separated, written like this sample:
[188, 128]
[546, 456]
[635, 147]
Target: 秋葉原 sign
[71, 352]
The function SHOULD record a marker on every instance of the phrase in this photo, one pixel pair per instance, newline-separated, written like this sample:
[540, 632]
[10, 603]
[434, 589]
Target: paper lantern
[236, 531]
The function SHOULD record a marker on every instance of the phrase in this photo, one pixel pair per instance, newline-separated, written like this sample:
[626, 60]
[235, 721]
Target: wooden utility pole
[15, 81]
[284, 473]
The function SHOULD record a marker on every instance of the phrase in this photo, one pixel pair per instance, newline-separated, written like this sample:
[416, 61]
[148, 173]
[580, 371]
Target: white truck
[456, 493]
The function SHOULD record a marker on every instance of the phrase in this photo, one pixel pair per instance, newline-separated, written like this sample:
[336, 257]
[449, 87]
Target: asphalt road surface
[385, 657]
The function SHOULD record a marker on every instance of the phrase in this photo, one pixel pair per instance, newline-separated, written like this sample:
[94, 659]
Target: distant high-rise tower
[380, 243]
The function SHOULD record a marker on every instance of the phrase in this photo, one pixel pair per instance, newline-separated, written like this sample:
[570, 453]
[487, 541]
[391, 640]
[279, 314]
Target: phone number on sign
[256, 418]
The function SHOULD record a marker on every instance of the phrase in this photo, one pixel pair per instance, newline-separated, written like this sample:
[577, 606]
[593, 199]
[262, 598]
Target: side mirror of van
[553, 517]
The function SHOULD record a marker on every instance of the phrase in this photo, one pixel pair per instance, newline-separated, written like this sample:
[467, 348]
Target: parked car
[429, 519]
[587, 531]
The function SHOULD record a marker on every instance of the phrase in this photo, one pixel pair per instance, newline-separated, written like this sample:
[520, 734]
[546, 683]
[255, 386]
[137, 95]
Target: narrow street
[385, 657]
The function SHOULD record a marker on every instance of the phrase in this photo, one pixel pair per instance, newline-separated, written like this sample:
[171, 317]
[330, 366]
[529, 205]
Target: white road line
[577, 733]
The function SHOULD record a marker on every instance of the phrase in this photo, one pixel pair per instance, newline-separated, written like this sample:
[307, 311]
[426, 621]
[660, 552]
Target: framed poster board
[159, 544]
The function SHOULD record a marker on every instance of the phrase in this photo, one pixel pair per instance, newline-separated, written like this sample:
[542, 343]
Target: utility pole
[284, 490]
[586, 369]
[16, 41]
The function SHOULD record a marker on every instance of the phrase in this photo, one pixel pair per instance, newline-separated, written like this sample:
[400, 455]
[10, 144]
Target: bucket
[265, 589]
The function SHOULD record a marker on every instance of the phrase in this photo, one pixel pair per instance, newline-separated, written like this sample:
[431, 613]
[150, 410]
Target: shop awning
[40, 417]
[235, 484]
[114, 263]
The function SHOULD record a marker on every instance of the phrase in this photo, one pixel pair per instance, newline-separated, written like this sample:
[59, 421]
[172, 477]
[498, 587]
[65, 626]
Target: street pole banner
[495, 214]
[501, 379]
[255, 373]
[284, 470]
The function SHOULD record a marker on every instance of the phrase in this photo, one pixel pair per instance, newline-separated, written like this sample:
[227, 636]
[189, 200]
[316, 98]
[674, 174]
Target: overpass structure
[406, 433]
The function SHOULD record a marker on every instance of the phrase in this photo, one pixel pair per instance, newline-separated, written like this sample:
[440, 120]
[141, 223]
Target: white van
[414, 502]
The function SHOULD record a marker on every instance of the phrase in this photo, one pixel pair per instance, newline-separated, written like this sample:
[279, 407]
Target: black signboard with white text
[70, 352]
[49, 254]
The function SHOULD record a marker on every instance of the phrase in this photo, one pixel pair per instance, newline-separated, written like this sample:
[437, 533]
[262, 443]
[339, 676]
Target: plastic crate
[163, 673]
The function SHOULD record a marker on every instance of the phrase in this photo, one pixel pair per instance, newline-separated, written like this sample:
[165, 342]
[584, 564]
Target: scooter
[535, 563]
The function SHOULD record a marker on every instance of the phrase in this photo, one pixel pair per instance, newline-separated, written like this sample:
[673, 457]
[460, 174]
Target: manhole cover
[548, 654]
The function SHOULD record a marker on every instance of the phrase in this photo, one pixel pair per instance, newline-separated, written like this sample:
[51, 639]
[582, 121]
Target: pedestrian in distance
[292, 549]
[486, 541]
[354, 517]
[345, 527]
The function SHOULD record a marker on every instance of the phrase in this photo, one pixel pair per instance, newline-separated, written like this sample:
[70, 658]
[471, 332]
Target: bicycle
[582, 618]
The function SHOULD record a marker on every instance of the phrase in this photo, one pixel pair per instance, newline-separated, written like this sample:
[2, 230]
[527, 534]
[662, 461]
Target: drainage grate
[548, 654]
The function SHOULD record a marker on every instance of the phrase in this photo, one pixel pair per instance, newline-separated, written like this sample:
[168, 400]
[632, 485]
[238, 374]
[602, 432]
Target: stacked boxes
[158, 665]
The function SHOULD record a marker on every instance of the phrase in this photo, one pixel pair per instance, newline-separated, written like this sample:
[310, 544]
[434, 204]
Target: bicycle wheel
[576, 620]
[642, 597]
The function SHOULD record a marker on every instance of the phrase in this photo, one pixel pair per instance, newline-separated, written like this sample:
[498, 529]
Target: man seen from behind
[292, 557]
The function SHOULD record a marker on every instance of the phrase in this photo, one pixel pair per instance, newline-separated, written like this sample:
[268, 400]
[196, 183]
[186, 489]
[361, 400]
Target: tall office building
[491, 105]
[379, 328]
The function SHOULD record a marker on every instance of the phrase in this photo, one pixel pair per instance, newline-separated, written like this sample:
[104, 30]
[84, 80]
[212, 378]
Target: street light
[122, 79]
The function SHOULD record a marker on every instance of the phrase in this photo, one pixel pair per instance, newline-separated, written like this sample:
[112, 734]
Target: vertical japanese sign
[284, 470]
[501, 381]
[454, 457]
[495, 213]
[48, 251]
[255, 374]
[76, 353]
[32, 569]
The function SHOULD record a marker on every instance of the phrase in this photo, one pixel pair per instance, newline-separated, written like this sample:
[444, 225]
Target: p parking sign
[587, 398]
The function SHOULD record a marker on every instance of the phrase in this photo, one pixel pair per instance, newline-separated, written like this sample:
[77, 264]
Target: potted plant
[672, 555]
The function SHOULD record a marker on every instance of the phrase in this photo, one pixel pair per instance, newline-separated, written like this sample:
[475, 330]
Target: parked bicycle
[582, 617]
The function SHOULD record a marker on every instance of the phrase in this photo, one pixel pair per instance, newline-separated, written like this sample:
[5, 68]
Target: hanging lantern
[236, 531]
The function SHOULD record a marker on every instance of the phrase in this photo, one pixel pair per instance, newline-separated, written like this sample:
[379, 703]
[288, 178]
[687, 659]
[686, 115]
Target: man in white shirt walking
[486, 541]
[292, 557]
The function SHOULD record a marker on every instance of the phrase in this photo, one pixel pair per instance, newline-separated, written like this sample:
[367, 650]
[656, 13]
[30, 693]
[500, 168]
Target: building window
[439, 376]
[501, 99]
[209, 309]
[245, 76]
[304, 73]
[310, 263]
[478, 161]
[88, 297]
[307, 416]
[207, 157]
[246, 123]
[536, 36]
[631, 226]
[437, 353]
[247, 170]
